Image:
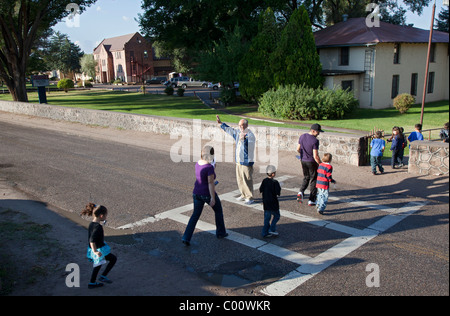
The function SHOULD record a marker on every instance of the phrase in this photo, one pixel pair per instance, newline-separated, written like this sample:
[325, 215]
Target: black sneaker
[94, 285]
[104, 279]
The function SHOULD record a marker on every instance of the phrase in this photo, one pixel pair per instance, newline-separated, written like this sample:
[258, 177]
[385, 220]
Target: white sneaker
[249, 202]
[274, 233]
[311, 203]
[240, 198]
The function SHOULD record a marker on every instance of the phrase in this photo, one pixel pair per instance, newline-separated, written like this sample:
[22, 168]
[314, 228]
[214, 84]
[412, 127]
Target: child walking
[376, 154]
[324, 178]
[397, 147]
[416, 135]
[270, 189]
[98, 251]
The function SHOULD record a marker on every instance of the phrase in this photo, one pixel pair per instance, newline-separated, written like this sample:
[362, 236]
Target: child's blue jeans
[272, 227]
[322, 199]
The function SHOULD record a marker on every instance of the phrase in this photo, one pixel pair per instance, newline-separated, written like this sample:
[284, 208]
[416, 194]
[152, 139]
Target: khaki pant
[244, 176]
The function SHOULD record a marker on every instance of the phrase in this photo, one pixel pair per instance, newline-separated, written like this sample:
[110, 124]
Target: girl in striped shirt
[324, 178]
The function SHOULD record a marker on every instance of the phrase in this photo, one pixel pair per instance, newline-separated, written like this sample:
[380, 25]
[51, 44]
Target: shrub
[303, 103]
[65, 84]
[169, 90]
[180, 92]
[403, 102]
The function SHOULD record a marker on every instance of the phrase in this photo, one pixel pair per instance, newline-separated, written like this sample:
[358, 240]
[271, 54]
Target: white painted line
[316, 265]
[308, 266]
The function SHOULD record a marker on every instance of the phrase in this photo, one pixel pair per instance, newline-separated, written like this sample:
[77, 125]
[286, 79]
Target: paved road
[368, 228]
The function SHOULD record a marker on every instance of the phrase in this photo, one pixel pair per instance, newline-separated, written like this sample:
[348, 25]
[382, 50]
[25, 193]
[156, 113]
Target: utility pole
[425, 86]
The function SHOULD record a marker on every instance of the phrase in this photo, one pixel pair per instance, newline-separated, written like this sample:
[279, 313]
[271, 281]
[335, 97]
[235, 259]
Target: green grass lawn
[436, 113]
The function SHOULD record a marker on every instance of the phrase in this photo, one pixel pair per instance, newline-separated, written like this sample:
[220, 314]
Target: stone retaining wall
[345, 148]
[429, 158]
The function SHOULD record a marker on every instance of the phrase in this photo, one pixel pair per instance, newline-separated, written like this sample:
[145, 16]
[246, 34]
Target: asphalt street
[402, 234]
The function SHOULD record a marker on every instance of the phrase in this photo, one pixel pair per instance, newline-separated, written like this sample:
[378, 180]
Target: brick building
[129, 58]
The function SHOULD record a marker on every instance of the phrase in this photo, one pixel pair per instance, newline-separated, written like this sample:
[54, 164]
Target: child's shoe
[104, 279]
[300, 197]
[94, 285]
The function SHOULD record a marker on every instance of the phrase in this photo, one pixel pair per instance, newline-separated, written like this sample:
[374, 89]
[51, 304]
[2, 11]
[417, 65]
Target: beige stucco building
[378, 63]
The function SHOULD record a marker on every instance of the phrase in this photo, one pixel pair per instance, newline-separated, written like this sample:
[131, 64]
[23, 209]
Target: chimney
[345, 17]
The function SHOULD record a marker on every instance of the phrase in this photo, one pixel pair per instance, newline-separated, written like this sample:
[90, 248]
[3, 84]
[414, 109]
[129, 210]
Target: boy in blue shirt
[416, 135]
[376, 154]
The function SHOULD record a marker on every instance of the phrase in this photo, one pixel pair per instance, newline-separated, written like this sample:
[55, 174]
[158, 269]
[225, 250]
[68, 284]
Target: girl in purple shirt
[205, 192]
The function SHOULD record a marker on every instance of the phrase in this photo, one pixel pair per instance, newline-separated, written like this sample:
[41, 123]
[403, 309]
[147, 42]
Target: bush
[403, 102]
[303, 103]
[65, 84]
[169, 90]
[180, 92]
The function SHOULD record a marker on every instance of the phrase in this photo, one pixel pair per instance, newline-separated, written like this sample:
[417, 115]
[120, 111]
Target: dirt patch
[26, 252]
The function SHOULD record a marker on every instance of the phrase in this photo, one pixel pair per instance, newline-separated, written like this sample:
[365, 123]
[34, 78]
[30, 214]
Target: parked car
[192, 83]
[215, 86]
[156, 80]
[174, 81]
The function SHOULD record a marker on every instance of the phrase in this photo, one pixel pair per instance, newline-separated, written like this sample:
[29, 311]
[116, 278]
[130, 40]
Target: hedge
[293, 102]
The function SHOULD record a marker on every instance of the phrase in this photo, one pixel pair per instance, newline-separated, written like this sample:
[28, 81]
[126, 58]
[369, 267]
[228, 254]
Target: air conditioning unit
[446, 2]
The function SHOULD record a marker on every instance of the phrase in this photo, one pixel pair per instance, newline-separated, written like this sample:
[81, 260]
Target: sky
[110, 18]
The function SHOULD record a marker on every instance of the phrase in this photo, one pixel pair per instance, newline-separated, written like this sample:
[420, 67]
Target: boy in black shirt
[270, 189]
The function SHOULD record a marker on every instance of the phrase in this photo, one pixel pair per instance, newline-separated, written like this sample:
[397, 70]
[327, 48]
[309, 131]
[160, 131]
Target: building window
[431, 82]
[347, 85]
[396, 53]
[414, 80]
[433, 53]
[344, 56]
[395, 86]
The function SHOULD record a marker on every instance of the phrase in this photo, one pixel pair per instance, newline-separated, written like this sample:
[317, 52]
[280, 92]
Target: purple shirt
[307, 144]
[201, 174]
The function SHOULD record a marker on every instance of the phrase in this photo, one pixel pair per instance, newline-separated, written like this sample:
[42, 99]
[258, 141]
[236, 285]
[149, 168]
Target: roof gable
[355, 32]
[115, 43]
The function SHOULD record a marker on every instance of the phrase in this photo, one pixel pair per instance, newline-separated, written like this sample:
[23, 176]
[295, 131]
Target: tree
[255, 78]
[219, 64]
[88, 65]
[295, 59]
[63, 55]
[20, 23]
[442, 21]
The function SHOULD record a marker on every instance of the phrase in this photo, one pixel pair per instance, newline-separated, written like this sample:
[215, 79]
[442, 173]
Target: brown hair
[379, 134]
[94, 210]
[327, 157]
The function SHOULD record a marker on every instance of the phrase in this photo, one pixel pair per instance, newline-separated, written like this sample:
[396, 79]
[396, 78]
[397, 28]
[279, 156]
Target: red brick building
[129, 58]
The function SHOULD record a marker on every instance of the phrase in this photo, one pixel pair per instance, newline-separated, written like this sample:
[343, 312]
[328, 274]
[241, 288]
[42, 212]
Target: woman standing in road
[205, 192]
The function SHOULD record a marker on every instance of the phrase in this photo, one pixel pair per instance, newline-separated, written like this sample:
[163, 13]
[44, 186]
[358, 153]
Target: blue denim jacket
[245, 151]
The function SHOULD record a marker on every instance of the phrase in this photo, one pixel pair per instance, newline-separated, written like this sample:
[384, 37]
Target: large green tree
[295, 59]
[255, 78]
[63, 55]
[20, 23]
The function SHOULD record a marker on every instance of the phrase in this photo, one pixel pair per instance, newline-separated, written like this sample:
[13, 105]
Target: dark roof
[115, 43]
[355, 32]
